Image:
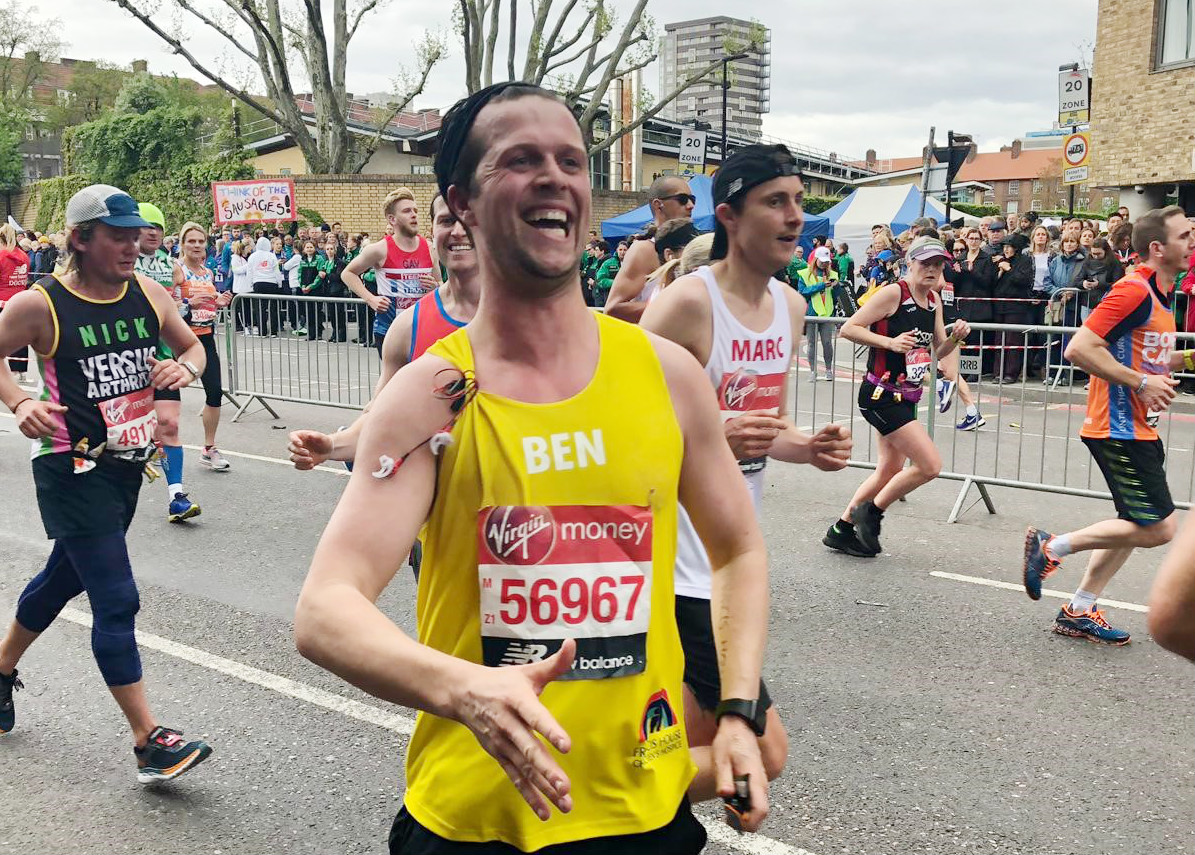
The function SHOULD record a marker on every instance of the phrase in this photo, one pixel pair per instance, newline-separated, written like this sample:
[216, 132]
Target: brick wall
[1142, 125]
[24, 205]
[355, 201]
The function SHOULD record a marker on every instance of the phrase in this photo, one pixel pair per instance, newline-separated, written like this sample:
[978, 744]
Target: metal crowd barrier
[305, 350]
[1031, 437]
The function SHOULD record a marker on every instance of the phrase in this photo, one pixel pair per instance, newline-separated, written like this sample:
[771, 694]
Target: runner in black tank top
[95, 330]
[899, 324]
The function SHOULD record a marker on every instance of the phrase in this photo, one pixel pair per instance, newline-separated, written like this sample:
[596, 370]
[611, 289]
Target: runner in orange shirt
[1127, 346]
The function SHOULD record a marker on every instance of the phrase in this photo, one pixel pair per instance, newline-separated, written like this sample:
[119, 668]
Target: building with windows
[1015, 179]
[687, 47]
[1142, 121]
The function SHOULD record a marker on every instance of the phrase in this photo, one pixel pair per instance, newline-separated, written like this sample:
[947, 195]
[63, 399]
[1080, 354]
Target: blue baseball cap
[105, 204]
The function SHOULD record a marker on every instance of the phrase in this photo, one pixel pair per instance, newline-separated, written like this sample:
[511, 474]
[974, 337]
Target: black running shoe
[845, 540]
[8, 713]
[867, 518]
[167, 755]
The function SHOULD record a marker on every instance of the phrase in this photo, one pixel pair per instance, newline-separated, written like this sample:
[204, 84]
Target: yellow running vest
[556, 521]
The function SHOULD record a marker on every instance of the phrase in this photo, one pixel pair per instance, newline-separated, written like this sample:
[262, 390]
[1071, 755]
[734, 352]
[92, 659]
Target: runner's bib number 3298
[131, 420]
[567, 571]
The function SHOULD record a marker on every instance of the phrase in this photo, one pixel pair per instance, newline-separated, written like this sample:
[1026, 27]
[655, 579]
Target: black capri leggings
[210, 378]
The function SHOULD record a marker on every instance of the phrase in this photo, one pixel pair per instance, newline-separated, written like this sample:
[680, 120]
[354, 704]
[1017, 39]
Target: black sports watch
[749, 711]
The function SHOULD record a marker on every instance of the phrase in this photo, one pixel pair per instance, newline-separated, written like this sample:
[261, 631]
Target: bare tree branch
[510, 48]
[179, 49]
[491, 42]
[655, 108]
[361, 13]
[431, 53]
[550, 48]
[223, 31]
[535, 39]
[544, 72]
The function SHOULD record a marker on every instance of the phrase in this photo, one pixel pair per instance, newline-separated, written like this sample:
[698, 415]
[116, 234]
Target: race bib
[567, 571]
[203, 317]
[131, 420]
[403, 287]
[948, 294]
[916, 365]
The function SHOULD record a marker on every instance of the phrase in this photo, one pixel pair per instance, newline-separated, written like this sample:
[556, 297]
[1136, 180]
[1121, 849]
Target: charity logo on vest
[567, 571]
[117, 372]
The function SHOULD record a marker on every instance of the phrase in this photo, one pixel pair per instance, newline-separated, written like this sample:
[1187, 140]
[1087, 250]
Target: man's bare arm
[1172, 600]
[310, 448]
[828, 449]
[339, 626]
[372, 256]
[25, 321]
[641, 259]
[715, 496]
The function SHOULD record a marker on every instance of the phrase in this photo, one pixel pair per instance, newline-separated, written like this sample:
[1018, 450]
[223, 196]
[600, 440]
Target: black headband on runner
[458, 121]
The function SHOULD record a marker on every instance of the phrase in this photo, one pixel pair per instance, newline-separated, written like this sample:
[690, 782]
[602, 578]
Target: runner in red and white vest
[437, 314]
[404, 264]
[743, 326]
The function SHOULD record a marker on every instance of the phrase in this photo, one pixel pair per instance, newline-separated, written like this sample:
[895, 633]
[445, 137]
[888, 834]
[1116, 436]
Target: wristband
[1188, 361]
[14, 407]
[1141, 385]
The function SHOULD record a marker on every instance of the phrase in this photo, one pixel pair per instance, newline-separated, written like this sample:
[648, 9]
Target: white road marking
[752, 844]
[335, 470]
[1046, 592]
[283, 685]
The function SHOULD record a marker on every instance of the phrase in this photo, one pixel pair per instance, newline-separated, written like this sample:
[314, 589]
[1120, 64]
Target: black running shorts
[100, 501]
[683, 835]
[1135, 470]
[701, 657]
[168, 394]
[884, 414]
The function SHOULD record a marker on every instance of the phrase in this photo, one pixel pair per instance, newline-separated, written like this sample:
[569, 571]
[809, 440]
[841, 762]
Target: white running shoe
[214, 461]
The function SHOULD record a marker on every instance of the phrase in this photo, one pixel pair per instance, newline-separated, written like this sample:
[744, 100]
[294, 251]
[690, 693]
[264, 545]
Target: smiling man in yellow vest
[548, 666]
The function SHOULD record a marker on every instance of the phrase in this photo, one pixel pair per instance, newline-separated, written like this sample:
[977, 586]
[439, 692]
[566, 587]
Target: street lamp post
[726, 60]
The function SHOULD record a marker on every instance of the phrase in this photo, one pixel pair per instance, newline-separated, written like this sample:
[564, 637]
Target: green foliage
[818, 204]
[975, 210]
[111, 149]
[993, 211]
[310, 217]
[151, 144]
[93, 89]
[12, 168]
[185, 193]
[140, 94]
[51, 204]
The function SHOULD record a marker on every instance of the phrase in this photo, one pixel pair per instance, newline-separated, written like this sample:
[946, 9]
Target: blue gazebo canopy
[637, 220]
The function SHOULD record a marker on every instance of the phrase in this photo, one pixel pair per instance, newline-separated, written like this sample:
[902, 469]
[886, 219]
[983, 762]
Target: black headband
[458, 121]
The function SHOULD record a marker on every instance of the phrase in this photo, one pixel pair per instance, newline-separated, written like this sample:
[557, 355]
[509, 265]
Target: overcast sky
[847, 75]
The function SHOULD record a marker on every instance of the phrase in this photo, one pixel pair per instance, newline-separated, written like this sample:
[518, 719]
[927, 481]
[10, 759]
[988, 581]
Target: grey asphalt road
[926, 714]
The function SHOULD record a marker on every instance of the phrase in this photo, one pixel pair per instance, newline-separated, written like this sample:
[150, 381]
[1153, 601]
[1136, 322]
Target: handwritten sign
[253, 201]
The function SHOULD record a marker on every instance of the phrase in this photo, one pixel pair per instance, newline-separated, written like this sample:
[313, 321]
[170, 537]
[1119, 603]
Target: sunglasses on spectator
[682, 198]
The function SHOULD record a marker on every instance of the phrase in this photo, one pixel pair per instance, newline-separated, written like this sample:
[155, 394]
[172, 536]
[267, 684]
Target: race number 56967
[573, 601]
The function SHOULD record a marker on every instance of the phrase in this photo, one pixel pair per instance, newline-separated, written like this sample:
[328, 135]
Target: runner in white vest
[742, 325]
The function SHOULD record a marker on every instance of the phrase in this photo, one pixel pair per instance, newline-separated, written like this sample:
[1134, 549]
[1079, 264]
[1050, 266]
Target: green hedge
[818, 204]
[992, 211]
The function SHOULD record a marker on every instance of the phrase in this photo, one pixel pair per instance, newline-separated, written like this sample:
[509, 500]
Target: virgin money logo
[737, 389]
[520, 534]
